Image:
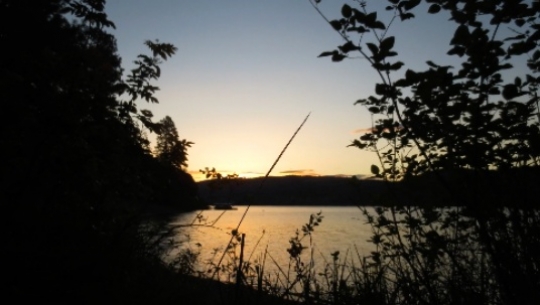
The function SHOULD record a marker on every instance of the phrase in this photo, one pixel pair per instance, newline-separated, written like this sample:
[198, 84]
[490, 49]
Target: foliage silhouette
[169, 148]
[459, 125]
[77, 177]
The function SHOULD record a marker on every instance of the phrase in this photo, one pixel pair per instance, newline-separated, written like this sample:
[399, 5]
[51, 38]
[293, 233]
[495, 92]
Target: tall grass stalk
[260, 186]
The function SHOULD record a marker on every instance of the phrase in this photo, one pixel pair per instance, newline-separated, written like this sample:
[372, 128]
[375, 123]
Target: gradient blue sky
[246, 73]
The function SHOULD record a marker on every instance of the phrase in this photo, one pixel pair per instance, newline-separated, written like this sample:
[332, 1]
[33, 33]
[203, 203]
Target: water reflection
[269, 228]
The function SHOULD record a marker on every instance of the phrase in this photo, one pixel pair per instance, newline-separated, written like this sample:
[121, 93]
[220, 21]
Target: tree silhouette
[466, 136]
[76, 176]
[482, 115]
[169, 148]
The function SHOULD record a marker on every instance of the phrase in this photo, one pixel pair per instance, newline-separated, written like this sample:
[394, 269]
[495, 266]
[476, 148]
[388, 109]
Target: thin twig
[260, 186]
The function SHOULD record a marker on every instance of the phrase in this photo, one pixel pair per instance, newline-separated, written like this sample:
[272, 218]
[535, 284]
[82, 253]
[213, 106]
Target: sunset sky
[246, 73]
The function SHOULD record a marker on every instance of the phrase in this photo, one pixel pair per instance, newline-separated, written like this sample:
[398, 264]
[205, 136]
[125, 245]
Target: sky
[246, 74]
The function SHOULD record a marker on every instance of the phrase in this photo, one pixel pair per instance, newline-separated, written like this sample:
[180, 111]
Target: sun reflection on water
[269, 229]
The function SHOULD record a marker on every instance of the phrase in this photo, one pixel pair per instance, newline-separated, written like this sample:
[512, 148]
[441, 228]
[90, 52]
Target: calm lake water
[269, 228]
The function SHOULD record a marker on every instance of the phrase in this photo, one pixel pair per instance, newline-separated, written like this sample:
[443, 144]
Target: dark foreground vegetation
[81, 189]
[78, 178]
[464, 132]
[459, 148]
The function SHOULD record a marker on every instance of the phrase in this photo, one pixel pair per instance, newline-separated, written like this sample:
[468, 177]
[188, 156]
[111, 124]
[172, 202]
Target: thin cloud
[250, 174]
[299, 172]
[361, 130]
[253, 173]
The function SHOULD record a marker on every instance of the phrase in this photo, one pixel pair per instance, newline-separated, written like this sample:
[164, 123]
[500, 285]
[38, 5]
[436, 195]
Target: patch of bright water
[268, 229]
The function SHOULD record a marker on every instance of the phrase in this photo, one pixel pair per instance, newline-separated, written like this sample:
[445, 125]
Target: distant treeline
[291, 190]
[445, 188]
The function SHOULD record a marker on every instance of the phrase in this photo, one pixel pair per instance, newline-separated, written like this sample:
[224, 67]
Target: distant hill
[515, 187]
[292, 190]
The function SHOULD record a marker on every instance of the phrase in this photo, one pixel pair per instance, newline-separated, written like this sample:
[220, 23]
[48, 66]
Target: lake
[269, 229]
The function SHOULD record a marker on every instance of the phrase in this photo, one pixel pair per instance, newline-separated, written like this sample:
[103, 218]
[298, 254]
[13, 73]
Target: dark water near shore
[269, 229]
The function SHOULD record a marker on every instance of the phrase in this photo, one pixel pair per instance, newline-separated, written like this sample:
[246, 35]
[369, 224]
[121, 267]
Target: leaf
[519, 48]
[359, 29]
[409, 5]
[378, 25]
[406, 16]
[461, 36]
[380, 89]
[348, 46]
[371, 18]
[328, 53]
[411, 76]
[457, 50]
[367, 137]
[434, 9]
[374, 109]
[494, 91]
[431, 64]
[510, 91]
[380, 66]
[360, 17]
[401, 83]
[518, 37]
[396, 66]
[337, 57]
[358, 144]
[375, 170]
[517, 82]
[535, 36]
[147, 113]
[336, 25]
[387, 43]
[373, 48]
[163, 50]
[346, 11]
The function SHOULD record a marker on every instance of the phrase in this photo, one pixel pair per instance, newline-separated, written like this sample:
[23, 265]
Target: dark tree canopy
[482, 115]
[76, 172]
[63, 89]
[169, 148]
[467, 137]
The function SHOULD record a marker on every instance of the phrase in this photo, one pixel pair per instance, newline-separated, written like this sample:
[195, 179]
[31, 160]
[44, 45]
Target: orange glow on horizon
[198, 176]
